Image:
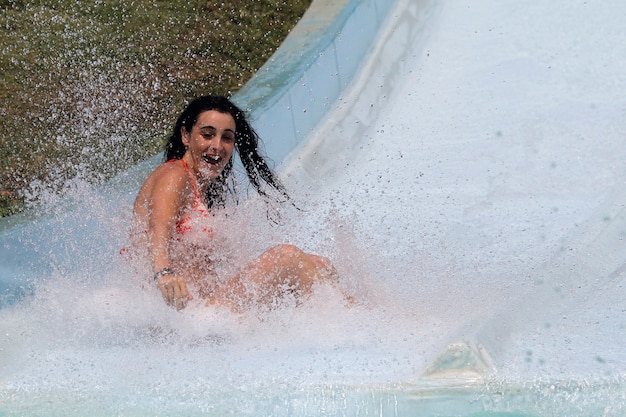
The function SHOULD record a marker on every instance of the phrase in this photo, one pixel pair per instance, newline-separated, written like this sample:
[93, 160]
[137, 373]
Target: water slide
[463, 165]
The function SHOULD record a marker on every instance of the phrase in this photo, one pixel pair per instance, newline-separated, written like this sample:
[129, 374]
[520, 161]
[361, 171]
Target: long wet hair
[246, 143]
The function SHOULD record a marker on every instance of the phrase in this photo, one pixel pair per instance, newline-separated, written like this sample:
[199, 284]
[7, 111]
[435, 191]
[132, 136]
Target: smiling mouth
[212, 159]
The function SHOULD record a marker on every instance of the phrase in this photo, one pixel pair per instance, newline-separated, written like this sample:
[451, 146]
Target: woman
[175, 205]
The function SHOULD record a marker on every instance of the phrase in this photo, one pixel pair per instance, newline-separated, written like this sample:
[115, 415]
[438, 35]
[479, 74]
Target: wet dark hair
[246, 143]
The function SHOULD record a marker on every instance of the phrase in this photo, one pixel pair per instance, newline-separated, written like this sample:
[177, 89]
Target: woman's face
[210, 143]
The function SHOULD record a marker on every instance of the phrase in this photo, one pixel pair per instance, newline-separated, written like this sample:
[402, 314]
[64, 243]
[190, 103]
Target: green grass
[89, 88]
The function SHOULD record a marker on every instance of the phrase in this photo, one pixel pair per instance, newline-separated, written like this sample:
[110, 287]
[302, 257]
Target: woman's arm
[166, 201]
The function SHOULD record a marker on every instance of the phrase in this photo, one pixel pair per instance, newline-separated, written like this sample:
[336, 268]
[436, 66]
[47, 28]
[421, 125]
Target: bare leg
[280, 270]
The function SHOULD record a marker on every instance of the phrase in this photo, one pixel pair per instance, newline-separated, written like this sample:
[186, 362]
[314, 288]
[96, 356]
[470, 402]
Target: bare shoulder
[170, 175]
[167, 178]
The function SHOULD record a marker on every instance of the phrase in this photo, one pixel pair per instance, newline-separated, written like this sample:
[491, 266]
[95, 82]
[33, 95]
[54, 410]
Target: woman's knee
[325, 267]
[284, 250]
[291, 256]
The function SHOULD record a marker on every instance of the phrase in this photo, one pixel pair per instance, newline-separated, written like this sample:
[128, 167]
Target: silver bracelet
[164, 271]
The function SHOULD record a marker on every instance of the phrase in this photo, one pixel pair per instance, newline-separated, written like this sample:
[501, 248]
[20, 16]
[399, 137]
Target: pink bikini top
[195, 227]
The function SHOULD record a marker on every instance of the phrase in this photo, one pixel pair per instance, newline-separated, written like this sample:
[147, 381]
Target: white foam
[496, 149]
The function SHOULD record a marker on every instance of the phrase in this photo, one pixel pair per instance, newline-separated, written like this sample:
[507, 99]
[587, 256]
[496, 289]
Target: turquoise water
[545, 400]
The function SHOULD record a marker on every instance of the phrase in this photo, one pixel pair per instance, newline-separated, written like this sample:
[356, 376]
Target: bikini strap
[191, 180]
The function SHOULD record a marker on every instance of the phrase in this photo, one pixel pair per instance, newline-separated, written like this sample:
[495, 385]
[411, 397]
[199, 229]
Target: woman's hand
[174, 290]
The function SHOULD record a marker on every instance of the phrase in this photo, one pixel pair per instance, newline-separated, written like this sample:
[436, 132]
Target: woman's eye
[228, 138]
[208, 136]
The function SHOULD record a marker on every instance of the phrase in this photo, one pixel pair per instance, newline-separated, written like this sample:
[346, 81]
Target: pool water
[471, 198]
